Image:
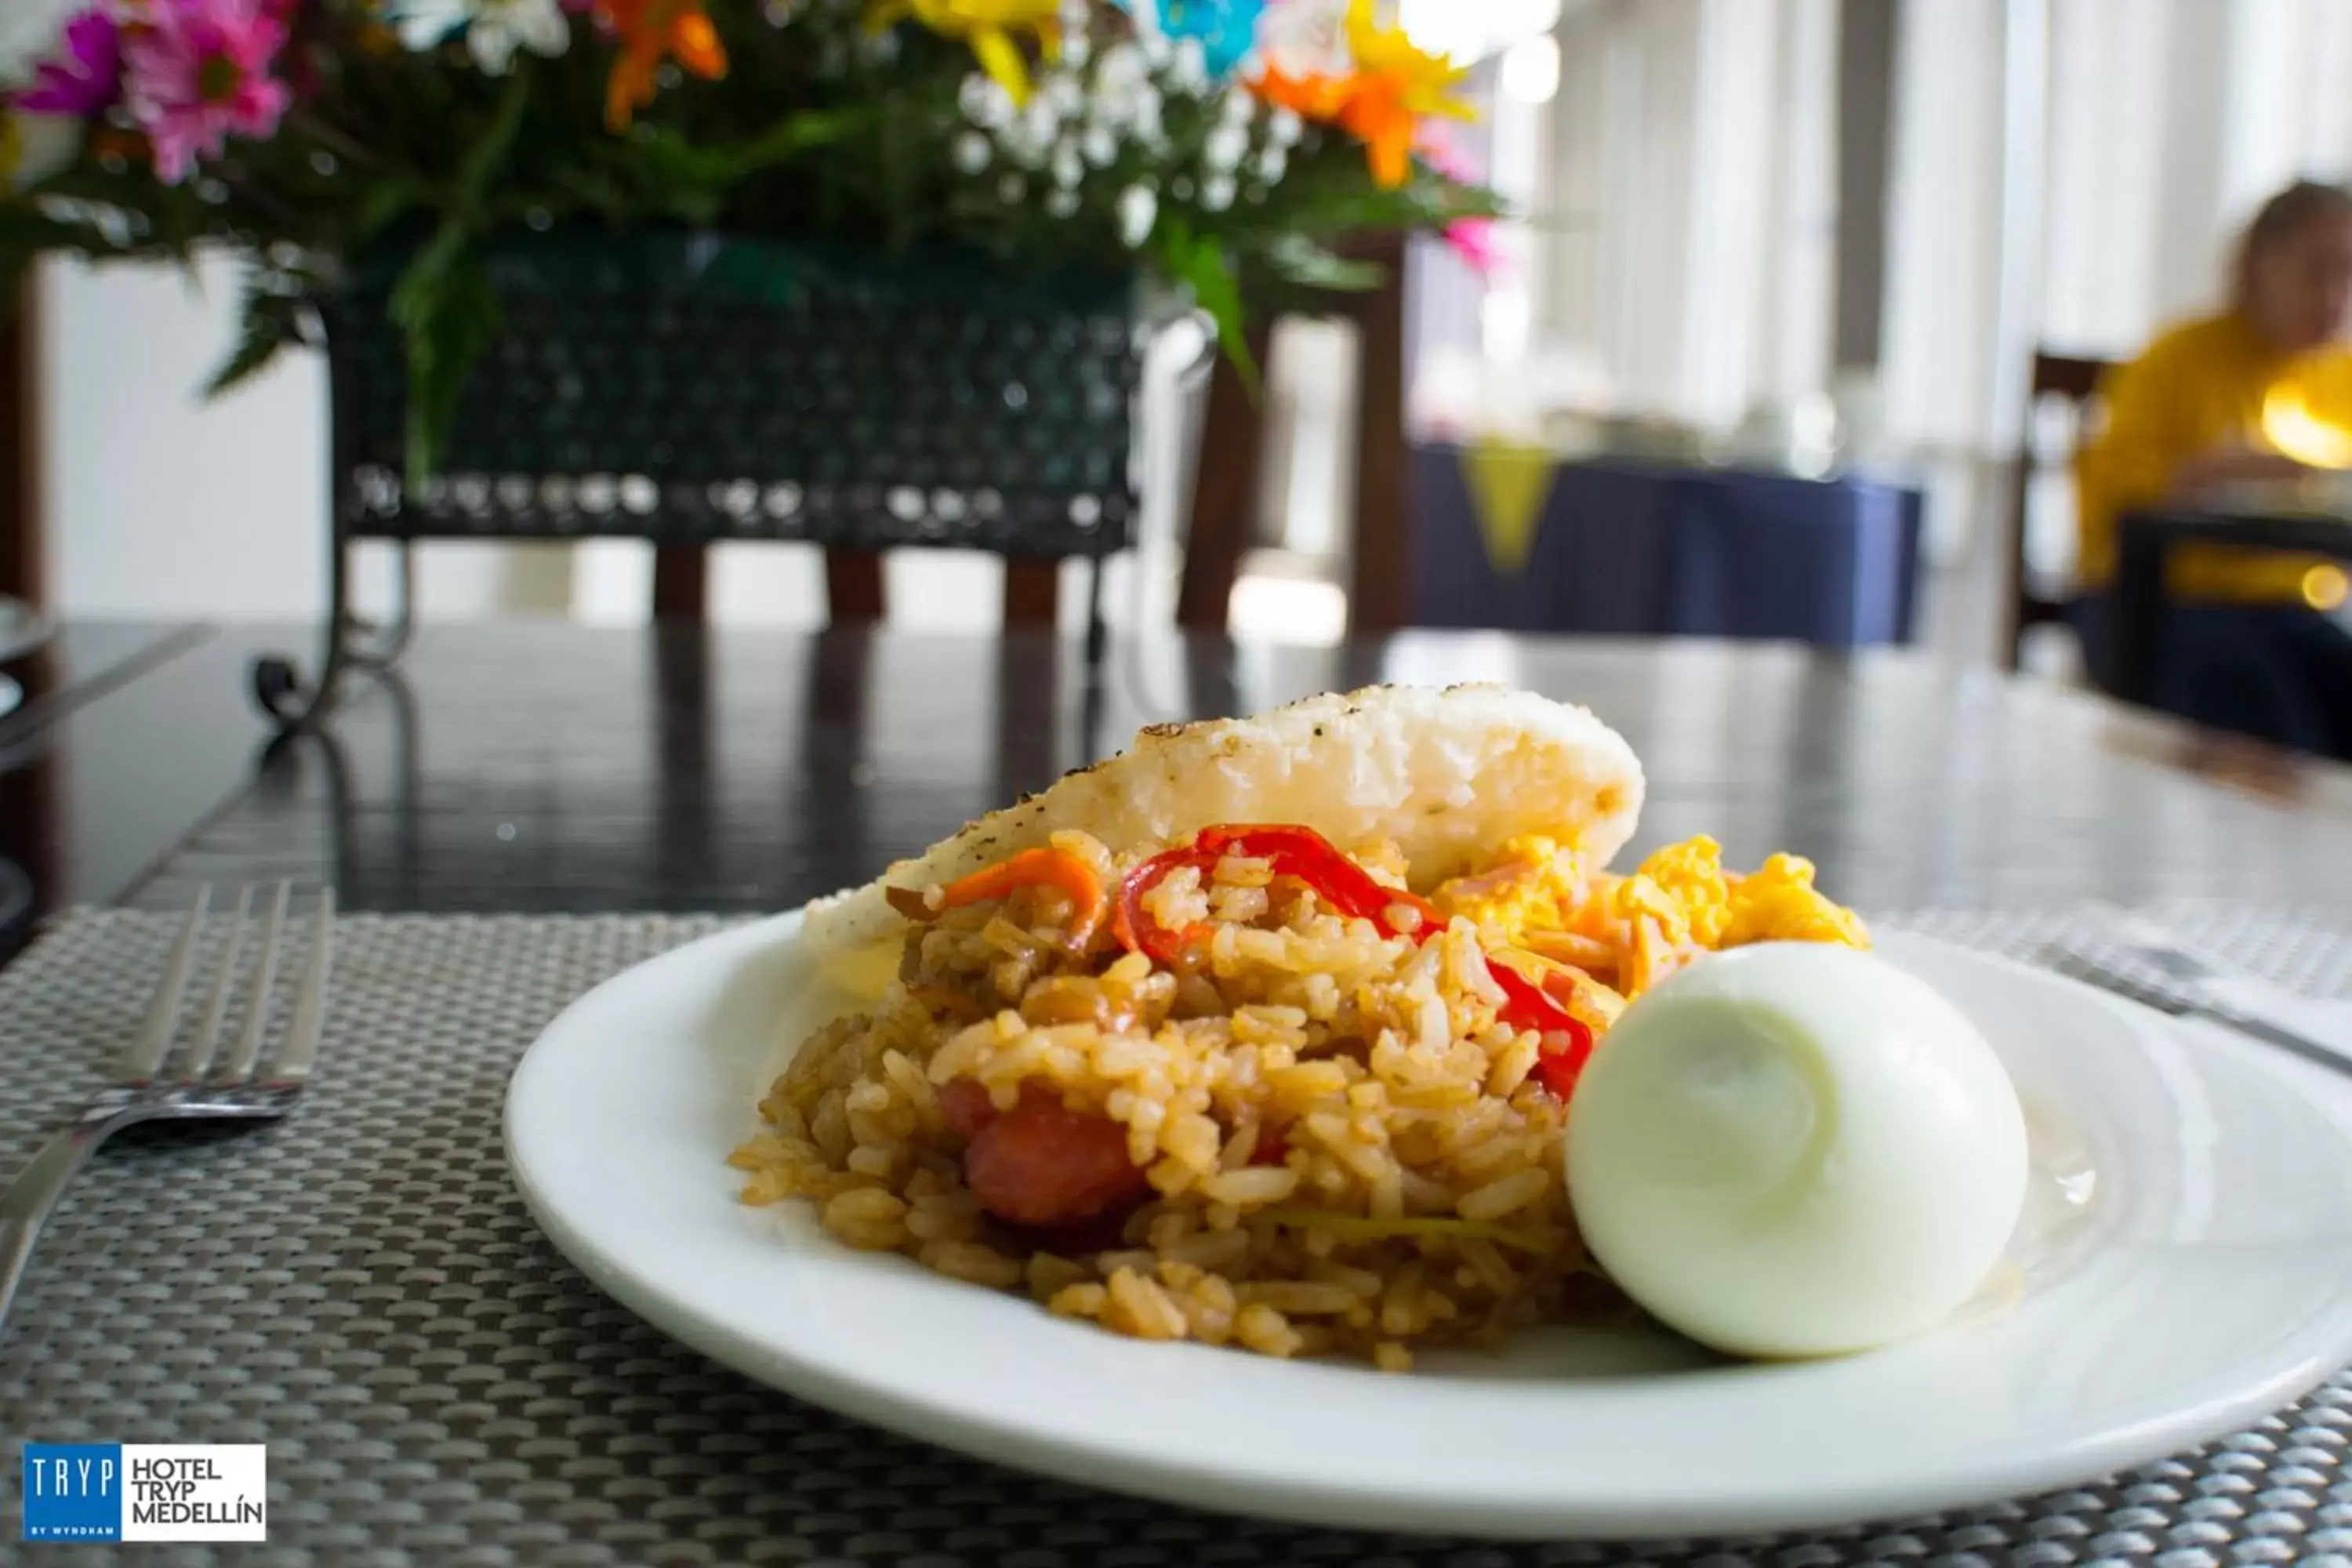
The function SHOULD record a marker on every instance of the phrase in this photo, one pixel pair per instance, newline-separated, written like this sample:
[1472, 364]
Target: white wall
[162, 505]
[156, 509]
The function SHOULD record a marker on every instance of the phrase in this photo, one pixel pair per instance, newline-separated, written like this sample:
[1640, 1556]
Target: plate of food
[1296, 1116]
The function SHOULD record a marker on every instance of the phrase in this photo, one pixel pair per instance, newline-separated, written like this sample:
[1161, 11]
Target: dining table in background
[527, 809]
[2145, 542]
[130, 817]
[1520, 539]
[542, 767]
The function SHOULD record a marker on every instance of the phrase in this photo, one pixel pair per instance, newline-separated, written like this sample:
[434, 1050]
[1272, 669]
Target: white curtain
[1674, 162]
[2062, 171]
[1685, 230]
[2072, 173]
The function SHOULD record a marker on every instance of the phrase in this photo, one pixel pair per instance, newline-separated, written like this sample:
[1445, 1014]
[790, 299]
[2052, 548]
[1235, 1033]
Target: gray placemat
[360, 1289]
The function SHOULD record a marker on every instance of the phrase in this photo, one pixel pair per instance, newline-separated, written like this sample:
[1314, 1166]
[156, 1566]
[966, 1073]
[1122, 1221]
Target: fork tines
[153, 1055]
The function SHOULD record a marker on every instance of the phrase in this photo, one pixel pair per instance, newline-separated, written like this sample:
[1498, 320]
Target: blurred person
[2263, 391]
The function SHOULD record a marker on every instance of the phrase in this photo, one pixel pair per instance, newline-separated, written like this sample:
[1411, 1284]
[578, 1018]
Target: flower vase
[688, 388]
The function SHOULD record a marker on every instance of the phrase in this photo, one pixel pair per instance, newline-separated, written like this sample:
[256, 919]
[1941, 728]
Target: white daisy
[1119, 71]
[1143, 117]
[1225, 147]
[1064, 93]
[984, 103]
[1139, 209]
[494, 28]
[1040, 121]
[1188, 68]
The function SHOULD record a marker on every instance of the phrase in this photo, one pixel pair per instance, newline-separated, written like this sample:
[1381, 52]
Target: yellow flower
[988, 25]
[1394, 85]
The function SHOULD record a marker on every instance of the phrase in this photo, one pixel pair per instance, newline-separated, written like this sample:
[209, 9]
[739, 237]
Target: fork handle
[26, 1205]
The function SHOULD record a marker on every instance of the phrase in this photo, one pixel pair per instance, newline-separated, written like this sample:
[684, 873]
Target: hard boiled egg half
[1796, 1150]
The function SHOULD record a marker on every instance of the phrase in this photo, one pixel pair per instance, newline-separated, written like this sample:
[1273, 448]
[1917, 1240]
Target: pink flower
[197, 72]
[1442, 153]
[90, 76]
[1473, 239]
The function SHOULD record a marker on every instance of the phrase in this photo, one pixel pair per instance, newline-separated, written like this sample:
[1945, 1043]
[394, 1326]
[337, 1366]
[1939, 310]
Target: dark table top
[2306, 531]
[2144, 544]
[544, 767]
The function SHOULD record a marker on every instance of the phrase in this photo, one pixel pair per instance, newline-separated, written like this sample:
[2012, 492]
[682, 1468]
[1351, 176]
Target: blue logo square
[73, 1491]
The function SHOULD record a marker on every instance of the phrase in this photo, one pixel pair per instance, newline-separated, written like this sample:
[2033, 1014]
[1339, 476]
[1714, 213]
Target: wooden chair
[1233, 432]
[20, 541]
[853, 586]
[2076, 382]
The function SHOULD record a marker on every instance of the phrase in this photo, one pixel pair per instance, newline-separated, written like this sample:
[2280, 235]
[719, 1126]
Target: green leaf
[667, 153]
[446, 312]
[449, 315]
[487, 156]
[1300, 260]
[1200, 264]
[382, 205]
[264, 325]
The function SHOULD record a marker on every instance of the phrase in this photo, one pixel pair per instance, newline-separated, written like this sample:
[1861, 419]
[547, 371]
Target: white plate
[22, 628]
[2200, 1286]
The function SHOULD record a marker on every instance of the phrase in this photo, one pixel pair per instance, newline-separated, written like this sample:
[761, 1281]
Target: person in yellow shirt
[2260, 391]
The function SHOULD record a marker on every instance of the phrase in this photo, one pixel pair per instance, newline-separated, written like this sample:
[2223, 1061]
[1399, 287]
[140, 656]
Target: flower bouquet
[1225, 147]
[863, 273]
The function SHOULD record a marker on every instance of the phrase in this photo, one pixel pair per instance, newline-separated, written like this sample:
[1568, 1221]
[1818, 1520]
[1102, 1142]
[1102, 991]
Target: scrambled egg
[1534, 884]
[1636, 930]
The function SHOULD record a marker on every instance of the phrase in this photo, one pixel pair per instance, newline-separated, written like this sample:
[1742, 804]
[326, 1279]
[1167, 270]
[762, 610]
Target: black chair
[2076, 383]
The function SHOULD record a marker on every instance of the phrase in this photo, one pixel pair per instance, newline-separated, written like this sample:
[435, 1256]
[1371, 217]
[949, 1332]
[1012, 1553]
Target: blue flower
[1226, 29]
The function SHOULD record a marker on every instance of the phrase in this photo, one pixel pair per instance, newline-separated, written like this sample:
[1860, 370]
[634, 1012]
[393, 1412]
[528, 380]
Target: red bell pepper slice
[1527, 1005]
[1293, 851]
[1348, 888]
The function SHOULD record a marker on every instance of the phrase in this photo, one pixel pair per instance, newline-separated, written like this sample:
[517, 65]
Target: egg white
[1796, 1150]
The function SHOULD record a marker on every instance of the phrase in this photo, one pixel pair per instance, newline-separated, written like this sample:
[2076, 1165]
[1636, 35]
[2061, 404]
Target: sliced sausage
[1041, 1165]
[966, 1106]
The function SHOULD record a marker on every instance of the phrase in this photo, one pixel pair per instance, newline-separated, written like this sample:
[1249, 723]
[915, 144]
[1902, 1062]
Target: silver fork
[156, 1083]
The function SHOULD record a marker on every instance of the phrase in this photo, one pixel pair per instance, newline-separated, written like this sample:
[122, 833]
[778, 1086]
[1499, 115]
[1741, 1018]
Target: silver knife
[2143, 961]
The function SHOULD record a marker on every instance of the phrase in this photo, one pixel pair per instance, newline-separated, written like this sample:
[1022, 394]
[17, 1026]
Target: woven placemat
[362, 1291]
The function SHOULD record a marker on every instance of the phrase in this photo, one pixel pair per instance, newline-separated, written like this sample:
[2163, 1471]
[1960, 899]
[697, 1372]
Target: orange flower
[1310, 97]
[1395, 85]
[651, 31]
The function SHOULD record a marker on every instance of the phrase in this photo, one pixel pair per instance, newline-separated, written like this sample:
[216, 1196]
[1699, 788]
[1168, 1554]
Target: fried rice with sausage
[1231, 1091]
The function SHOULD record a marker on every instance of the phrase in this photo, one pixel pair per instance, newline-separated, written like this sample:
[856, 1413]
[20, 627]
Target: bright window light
[1466, 31]
[1503, 317]
[1531, 69]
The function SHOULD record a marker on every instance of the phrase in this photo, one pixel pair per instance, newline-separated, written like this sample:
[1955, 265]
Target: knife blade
[2139, 959]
